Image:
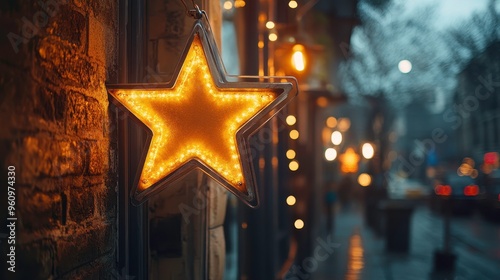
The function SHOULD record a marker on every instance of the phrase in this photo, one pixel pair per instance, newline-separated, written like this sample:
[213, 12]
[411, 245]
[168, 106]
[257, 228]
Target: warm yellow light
[290, 154]
[228, 5]
[298, 58]
[336, 138]
[367, 150]
[260, 44]
[273, 37]
[364, 180]
[331, 122]
[290, 200]
[193, 120]
[294, 165]
[344, 124]
[294, 134]
[293, 4]
[349, 161]
[270, 25]
[239, 3]
[299, 224]
[330, 154]
[291, 120]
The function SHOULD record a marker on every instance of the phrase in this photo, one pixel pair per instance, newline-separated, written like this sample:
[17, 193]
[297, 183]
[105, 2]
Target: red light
[499, 197]
[443, 190]
[471, 190]
[491, 158]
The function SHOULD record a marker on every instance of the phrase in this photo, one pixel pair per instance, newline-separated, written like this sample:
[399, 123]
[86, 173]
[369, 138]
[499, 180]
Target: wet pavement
[361, 253]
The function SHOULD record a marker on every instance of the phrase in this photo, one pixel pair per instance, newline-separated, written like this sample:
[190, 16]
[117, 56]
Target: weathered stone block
[97, 157]
[50, 104]
[61, 64]
[84, 115]
[44, 157]
[69, 25]
[41, 211]
[81, 204]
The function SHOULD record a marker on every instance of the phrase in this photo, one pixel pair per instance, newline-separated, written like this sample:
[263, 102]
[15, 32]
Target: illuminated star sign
[201, 120]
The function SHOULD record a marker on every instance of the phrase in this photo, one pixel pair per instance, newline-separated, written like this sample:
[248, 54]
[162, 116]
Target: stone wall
[55, 57]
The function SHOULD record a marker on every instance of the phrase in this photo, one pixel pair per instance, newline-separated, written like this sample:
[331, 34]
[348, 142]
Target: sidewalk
[361, 254]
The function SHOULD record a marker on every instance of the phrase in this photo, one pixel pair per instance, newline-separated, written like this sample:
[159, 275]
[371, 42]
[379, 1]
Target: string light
[193, 120]
[298, 58]
[273, 37]
[239, 3]
[299, 224]
[294, 134]
[228, 5]
[293, 165]
[291, 120]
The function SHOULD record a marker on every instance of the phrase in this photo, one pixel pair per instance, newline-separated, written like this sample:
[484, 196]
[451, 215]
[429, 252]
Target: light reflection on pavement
[362, 252]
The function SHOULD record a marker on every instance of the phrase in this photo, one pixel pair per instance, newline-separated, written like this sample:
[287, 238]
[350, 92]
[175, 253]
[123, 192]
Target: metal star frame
[201, 119]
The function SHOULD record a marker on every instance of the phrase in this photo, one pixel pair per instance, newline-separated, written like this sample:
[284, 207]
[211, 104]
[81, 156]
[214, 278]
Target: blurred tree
[437, 45]
[394, 33]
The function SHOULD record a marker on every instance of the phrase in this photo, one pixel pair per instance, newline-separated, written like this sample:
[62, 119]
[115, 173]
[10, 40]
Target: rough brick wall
[55, 57]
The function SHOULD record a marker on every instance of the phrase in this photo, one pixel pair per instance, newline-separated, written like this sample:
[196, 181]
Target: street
[361, 254]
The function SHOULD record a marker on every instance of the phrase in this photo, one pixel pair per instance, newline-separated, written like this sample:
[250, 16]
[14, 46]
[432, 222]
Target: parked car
[489, 201]
[458, 192]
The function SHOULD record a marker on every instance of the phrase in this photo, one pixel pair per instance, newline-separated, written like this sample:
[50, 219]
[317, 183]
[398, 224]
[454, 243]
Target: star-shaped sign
[201, 120]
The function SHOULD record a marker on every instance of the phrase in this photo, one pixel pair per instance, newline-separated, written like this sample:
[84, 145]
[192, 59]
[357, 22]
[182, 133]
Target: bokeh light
[299, 224]
[330, 154]
[336, 138]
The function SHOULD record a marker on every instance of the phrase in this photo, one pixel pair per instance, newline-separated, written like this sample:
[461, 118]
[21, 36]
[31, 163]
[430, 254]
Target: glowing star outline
[218, 84]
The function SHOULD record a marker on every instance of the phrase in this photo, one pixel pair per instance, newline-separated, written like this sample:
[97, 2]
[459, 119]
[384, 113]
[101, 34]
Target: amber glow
[344, 124]
[290, 154]
[193, 120]
[239, 3]
[298, 58]
[364, 180]
[331, 122]
[293, 165]
[355, 262]
[290, 200]
[349, 161]
[294, 134]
